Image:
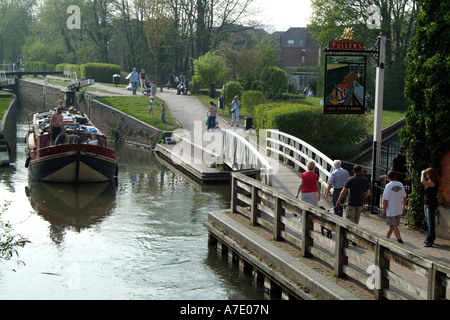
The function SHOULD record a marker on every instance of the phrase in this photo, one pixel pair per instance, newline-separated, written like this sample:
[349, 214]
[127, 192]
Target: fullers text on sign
[346, 45]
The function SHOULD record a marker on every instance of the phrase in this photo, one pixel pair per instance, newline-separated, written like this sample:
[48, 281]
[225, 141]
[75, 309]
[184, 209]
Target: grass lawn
[137, 106]
[5, 100]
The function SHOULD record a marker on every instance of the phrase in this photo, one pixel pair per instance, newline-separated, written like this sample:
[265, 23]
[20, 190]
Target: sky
[281, 15]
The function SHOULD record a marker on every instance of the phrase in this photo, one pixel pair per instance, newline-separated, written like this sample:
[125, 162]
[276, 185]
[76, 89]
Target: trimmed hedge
[334, 135]
[100, 72]
[232, 89]
[38, 66]
[250, 99]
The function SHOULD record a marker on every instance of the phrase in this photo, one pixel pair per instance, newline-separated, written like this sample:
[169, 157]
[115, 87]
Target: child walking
[151, 103]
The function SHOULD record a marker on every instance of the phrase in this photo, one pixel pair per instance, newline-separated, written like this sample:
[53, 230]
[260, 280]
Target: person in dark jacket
[430, 179]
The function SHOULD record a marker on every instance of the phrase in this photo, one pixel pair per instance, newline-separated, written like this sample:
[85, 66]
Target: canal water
[141, 238]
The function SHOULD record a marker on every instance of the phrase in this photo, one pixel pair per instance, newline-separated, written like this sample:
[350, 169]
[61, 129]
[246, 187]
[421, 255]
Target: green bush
[250, 99]
[38, 66]
[334, 135]
[69, 67]
[292, 96]
[232, 89]
[100, 72]
[274, 83]
[209, 68]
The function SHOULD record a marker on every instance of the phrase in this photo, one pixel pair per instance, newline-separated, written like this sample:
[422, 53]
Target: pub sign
[345, 81]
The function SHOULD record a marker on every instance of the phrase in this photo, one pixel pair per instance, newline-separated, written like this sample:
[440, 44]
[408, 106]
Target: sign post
[347, 46]
[378, 116]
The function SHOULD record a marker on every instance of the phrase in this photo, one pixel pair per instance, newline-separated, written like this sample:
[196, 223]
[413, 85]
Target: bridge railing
[388, 270]
[297, 152]
[240, 154]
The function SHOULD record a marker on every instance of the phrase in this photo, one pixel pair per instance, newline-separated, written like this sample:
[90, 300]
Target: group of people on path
[140, 79]
[180, 83]
[358, 185]
[211, 121]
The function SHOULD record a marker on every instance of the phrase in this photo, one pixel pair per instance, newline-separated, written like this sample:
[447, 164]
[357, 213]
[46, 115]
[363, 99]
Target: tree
[250, 62]
[209, 68]
[15, 24]
[426, 133]
[156, 27]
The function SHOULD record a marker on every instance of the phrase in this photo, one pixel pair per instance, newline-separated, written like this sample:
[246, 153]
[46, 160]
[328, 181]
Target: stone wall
[9, 124]
[118, 125]
[115, 124]
[36, 97]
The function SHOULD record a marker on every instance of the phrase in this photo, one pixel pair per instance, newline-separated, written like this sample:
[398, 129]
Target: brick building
[300, 53]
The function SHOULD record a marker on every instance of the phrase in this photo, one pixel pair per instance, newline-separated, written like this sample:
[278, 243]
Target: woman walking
[309, 185]
[430, 179]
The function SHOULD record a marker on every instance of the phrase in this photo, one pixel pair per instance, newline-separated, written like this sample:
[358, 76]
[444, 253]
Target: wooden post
[278, 225]
[254, 211]
[307, 241]
[233, 193]
[382, 263]
[340, 260]
[436, 291]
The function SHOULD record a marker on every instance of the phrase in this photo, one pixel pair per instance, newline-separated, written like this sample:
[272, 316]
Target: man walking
[359, 187]
[337, 181]
[134, 80]
[394, 204]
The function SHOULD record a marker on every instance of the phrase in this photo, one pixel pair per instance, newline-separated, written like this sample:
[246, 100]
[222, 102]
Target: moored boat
[342, 94]
[76, 156]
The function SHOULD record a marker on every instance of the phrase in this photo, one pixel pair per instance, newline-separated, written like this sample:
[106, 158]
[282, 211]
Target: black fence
[387, 155]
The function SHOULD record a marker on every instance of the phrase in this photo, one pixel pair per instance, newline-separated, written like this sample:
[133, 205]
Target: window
[301, 42]
[290, 42]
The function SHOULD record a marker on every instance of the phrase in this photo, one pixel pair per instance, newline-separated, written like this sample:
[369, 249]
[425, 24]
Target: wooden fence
[390, 270]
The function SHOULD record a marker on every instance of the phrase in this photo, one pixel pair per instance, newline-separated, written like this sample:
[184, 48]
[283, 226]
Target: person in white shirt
[394, 204]
[93, 139]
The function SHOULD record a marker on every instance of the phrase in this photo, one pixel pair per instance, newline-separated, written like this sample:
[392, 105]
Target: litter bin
[248, 122]
[211, 90]
[116, 79]
[220, 103]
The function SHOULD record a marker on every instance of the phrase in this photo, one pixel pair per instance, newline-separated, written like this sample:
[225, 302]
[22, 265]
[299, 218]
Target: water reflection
[71, 206]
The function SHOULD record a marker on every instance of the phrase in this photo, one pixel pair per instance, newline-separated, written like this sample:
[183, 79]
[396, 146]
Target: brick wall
[443, 227]
[444, 180]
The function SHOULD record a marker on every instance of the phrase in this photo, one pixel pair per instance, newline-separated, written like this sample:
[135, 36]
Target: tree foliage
[426, 133]
[9, 242]
[209, 68]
